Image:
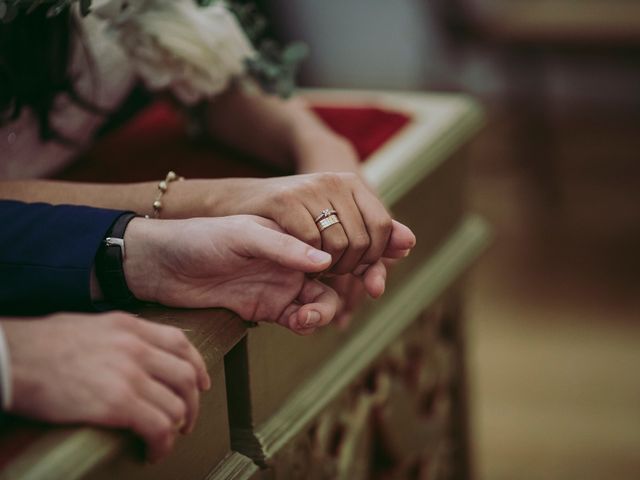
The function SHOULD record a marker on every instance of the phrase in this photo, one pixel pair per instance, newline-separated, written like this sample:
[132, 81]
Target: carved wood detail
[395, 422]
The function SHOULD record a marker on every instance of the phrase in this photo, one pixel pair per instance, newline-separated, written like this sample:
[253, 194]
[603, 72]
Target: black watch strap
[109, 268]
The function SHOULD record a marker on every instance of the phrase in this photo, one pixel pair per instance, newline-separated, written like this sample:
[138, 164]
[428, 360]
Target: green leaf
[295, 52]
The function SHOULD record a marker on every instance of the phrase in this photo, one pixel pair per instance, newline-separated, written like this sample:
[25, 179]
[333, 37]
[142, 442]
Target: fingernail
[318, 256]
[312, 320]
[406, 253]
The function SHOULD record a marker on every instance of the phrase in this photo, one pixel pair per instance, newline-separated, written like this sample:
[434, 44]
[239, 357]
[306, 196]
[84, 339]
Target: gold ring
[325, 223]
[327, 212]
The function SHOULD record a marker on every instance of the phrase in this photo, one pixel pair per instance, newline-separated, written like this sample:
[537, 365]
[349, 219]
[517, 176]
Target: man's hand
[243, 263]
[111, 370]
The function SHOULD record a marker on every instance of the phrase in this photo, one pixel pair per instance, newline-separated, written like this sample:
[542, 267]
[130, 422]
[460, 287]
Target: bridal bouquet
[193, 48]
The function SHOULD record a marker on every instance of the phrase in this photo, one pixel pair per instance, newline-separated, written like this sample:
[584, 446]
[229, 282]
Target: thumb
[283, 249]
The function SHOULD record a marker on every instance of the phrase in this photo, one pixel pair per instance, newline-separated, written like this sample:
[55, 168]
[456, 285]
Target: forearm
[191, 198]
[283, 132]
[137, 197]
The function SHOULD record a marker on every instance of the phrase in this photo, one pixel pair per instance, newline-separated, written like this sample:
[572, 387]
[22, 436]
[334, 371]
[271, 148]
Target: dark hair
[35, 52]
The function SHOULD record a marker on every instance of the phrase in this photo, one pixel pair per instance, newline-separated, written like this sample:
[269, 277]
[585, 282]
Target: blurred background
[554, 307]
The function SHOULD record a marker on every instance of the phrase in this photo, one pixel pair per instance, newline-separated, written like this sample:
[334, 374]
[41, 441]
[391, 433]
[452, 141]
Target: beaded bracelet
[163, 187]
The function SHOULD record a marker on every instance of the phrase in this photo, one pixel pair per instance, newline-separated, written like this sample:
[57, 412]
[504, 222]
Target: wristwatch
[109, 269]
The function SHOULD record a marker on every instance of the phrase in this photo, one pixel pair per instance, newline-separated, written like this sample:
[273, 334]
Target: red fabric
[155, 141]
[367, 128]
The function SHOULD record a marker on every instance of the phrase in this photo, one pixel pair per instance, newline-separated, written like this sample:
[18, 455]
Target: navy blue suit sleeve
[46, 255]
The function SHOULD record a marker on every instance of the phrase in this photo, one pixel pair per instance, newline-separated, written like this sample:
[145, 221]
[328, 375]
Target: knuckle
[186, 375]
[337, 244]
[331, 180]
[180, 410]
[360, 242]
[384, 224]
[190, 378]
[177, 339]
[162, 428]
[133, 376]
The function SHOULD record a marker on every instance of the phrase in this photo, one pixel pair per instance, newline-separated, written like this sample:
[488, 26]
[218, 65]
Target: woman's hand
[112, 370]
[317, 149]
[243, 263]
[294, 202]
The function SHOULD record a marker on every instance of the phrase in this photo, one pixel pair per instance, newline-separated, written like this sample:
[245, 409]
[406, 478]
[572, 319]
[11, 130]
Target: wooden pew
[385, 397]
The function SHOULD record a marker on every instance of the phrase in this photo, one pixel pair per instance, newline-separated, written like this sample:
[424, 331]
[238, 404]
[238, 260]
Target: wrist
[141, 264]
[231, 196]
[188, 198]
[208, 198]
[316, 148]
[324, 152]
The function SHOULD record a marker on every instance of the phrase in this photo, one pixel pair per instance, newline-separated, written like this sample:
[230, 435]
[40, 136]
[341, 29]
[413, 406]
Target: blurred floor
[554, 307]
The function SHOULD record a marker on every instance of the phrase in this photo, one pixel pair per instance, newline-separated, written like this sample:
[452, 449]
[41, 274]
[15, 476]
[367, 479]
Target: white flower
[193, 51]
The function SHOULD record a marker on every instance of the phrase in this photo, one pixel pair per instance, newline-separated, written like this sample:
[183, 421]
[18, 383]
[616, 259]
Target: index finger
[378, 222]
[401, 238]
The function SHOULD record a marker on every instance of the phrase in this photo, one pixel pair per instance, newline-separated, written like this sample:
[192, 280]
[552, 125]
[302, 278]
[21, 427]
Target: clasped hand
[243, 263]
[361, 238]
